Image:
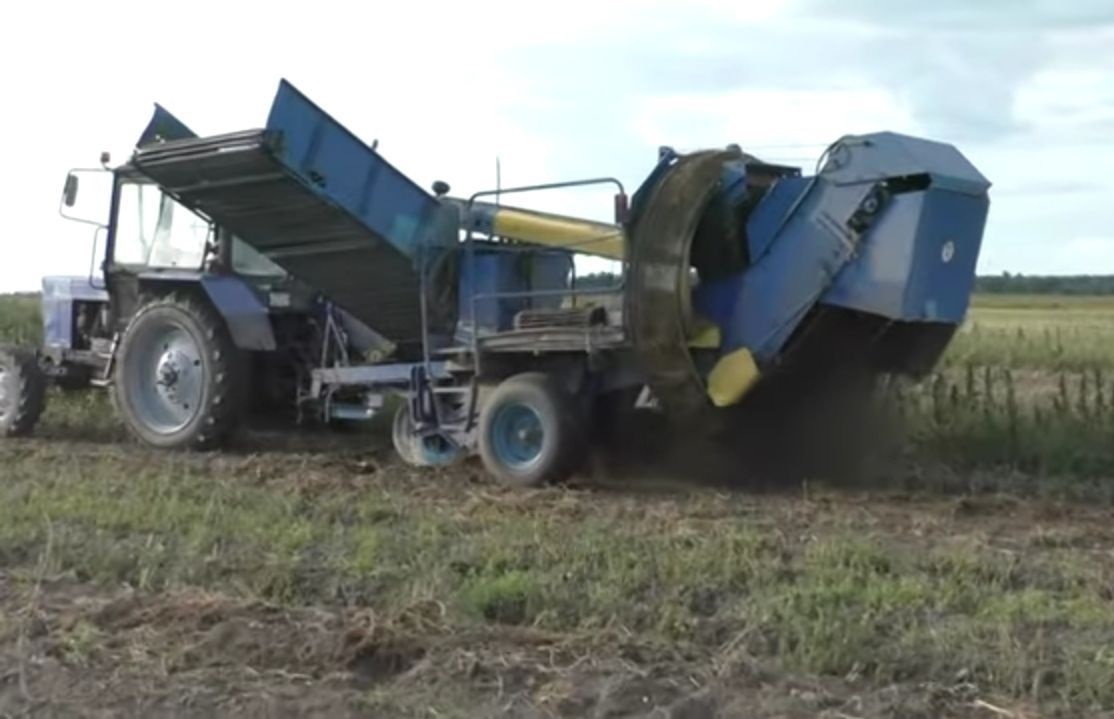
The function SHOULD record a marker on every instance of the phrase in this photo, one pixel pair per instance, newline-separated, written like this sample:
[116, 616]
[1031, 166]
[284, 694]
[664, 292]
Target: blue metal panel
[919, 260]
[760, 308]
[771, 213]
[944, 267]
[878, 280]
[59, 296]
[343, 170]
[550, 271]
[163, 126]
[247, 317]
[494, 271]
[488, 272]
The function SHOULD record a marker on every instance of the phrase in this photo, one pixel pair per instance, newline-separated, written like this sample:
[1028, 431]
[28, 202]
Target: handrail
[474, 339]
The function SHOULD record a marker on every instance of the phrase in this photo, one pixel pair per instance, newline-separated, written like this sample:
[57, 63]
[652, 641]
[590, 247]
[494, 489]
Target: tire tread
[222, 412]
[31, 400]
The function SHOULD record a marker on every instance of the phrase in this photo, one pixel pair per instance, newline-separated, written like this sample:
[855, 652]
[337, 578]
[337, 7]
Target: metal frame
[100, 226]
[469, 242]
[422, 391]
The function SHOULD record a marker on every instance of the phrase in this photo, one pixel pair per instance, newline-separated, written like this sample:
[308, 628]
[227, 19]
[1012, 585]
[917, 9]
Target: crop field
[968, 571]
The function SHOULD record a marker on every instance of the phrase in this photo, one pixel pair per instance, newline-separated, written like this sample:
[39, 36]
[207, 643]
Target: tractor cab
[148, 244]
[150, 231]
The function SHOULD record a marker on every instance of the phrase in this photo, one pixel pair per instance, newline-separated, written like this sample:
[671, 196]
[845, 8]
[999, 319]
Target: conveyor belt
[315, 200]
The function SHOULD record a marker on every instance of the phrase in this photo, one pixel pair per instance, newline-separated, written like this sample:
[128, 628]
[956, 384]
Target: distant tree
[1020, 284]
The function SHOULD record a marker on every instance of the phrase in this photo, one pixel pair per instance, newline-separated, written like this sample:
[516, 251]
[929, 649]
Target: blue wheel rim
[517, 436]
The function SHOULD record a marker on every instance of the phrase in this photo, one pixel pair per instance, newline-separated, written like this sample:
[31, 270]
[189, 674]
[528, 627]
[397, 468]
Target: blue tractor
[293, 269]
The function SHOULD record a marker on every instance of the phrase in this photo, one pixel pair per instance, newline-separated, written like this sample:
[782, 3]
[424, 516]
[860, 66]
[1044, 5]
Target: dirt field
[324, 579]
[315, 576]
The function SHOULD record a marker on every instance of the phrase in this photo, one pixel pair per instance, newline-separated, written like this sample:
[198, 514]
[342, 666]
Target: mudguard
[248, 319]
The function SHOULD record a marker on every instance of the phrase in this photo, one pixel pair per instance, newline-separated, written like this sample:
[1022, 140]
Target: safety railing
[476, 336]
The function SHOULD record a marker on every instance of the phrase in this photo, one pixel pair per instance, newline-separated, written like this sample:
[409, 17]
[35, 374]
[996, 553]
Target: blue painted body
[499, 270]
[163, 126]
[914, 262]
[771, 213]
[248, 319]
[60, 295]
[343, 170]
[906, 277]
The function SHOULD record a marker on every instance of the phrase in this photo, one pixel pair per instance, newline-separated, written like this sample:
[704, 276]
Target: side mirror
[69, 193]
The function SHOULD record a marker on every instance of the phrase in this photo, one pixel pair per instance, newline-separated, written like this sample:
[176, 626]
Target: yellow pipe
[590, 238]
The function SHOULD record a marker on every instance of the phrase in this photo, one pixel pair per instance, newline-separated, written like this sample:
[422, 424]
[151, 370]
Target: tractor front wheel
[179, 379]
[529, 431]
[22, 391]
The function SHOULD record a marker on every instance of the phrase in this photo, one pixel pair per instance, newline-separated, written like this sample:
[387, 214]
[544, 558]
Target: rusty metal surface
[658, 298]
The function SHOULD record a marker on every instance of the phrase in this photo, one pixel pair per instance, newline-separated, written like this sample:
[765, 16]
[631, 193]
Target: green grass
[1026, 385]
[20, 320]
[1042, 423]
[1047, 333]
[830, 597]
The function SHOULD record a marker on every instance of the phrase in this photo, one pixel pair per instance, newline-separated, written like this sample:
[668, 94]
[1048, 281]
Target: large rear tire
[529, 432]
[179, 380]
[22, 391]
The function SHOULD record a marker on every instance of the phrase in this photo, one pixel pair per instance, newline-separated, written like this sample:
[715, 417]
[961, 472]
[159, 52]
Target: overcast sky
[1025, 88]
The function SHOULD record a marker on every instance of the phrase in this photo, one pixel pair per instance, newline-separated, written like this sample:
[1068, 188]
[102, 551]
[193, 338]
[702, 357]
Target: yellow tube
[590, 238]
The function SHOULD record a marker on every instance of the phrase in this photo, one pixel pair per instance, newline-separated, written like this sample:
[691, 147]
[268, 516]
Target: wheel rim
[432, 450]
[166, 378]
[437, 450]
[517, 436]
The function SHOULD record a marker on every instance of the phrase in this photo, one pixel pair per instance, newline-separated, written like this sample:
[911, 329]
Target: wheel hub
[518, 435]
[168, 373]
[178, 376]
[168, 379]
[529, 435]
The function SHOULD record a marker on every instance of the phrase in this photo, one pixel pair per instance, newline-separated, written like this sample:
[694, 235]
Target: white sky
[563, 90]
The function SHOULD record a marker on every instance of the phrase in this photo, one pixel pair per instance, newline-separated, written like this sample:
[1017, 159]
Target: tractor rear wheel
[179, 380]
[22, 391]
[529, 431]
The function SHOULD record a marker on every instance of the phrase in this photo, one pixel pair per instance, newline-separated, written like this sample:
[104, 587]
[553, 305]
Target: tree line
[1011, 284]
